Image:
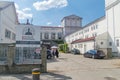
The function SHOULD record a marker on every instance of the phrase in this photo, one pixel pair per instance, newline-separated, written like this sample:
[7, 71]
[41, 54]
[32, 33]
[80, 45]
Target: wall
[83, 46]
[23, 68]
[113, 18]
[92, 29]
[8, 21]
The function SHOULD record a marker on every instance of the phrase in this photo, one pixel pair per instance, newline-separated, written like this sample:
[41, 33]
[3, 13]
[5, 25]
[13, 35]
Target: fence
[27, 55]
[23, 55]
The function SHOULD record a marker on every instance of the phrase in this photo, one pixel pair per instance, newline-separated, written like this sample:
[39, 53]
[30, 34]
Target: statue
[28, 32]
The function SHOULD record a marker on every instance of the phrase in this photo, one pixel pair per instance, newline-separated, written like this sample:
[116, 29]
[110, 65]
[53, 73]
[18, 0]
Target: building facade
[71, 24]
[7, 22]
[113, 26]
[29, 38]
[106, 33]
[85, 39]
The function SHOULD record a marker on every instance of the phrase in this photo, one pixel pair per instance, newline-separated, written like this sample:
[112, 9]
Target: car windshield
[92, 51]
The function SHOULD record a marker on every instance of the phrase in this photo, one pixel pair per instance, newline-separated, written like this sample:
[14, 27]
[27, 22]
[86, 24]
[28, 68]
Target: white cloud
[48, 4]
[27, 9]
[22, 14]
[49, 23]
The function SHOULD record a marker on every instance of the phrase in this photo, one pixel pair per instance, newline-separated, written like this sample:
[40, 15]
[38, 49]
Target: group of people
[55, 53]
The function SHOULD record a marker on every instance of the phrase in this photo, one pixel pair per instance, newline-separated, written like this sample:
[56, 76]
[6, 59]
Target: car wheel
[93, 56]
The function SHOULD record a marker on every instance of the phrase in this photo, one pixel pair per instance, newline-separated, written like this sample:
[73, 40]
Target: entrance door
[84, 48]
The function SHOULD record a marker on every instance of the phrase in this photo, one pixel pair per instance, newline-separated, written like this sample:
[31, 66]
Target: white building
[113, 24]
[8, 21]
[105, 30]
[28, 41]
[84, 39]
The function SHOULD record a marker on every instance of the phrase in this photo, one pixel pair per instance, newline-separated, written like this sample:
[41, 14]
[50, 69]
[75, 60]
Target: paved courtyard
[75, 67]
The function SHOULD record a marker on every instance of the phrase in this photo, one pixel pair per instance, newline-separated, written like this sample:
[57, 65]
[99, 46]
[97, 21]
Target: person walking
[57, 53]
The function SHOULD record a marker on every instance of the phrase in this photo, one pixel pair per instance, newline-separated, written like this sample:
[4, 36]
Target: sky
[51, 12]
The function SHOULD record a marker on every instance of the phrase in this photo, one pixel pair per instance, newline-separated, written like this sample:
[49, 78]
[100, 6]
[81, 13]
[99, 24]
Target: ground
[75, 67]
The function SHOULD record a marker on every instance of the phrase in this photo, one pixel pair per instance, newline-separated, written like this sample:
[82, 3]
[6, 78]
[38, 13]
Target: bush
[63, 47]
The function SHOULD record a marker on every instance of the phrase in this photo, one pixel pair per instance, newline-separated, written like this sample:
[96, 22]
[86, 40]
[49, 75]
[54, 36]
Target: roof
[4, 4]
[71, 16]
[97, 20]
[83, 40]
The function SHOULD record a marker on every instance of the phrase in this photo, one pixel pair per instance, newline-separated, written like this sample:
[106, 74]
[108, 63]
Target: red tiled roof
[83, 40]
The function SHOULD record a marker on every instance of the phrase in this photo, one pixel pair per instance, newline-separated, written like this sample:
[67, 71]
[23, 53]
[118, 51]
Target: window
[3, 53]
[101, 43]
[59, 35]
[52, 35]
[91, 28]
[117, 42]
[110, 43]
[7, 33]
[46, 36]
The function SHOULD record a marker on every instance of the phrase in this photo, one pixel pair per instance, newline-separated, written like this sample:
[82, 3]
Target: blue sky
[51, 12]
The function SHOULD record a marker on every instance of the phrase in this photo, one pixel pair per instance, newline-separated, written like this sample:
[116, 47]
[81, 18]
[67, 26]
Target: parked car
[49, 55]
[75, 51]
[95, 54]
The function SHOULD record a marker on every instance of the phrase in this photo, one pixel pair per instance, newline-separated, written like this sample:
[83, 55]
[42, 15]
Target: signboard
[37, 50]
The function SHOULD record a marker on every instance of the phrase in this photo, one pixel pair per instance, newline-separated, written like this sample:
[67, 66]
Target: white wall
[8, 21]
[98, 28]
[113, 24]
[109, 2]
[20, 35]
[22, 29]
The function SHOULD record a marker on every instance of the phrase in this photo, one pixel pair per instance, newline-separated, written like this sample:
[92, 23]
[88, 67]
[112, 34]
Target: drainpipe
[94, 44]
[0, 26]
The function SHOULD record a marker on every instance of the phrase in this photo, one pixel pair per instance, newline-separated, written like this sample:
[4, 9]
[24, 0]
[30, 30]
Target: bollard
[36, 74]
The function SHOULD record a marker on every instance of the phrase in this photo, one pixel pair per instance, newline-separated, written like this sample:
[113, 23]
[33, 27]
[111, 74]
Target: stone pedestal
[44, 59]
[10, 55]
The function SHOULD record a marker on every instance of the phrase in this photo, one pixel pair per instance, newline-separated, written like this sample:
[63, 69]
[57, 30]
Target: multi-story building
[84, 39]
[112, 8]
[8, 21]
[101, 33]
[29, 37]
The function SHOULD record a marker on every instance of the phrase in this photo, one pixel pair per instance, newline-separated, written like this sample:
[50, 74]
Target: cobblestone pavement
[75, 67]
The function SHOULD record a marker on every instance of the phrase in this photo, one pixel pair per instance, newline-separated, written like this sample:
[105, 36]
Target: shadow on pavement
[16, 77]
[43, 76]
[52, 60]
[110, 78]
[55, 76]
